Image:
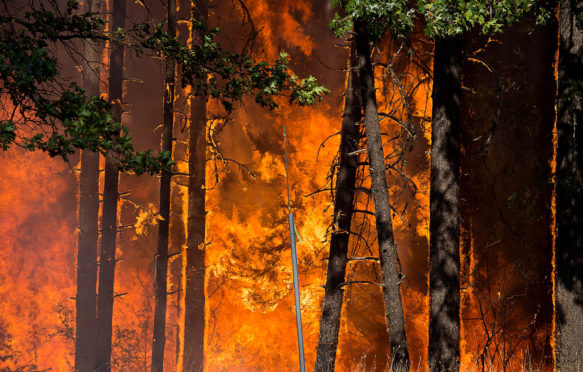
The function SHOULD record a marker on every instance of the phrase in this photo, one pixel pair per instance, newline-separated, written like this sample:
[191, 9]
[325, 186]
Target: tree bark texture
[161, 265]
[569, 191]
[343, 210]
[86, 304]
[194, 269]
[444, 225]
[386, 242]
[109, 212]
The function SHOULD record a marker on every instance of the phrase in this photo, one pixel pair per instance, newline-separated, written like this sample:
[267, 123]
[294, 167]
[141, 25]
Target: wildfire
[37, 265]
[249, 309]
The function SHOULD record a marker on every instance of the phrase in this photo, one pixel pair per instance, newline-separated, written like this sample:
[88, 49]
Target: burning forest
[283, 185]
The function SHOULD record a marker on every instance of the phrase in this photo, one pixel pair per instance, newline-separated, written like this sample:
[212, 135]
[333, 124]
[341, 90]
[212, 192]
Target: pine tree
[444, 218]
[161, 268]
[569, 190]
[86, 304]
[109, 211]
[446, 21]
[343, 210]
[195, 266]
[386, 241]
[370, 20]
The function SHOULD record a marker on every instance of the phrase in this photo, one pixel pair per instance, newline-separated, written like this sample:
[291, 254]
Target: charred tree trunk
[177, 239]
[109, 213]
[444, 220]
[343, 209]
[160, 280]
[569, 191]
[86, 304]
[386, 242]
[194, 270]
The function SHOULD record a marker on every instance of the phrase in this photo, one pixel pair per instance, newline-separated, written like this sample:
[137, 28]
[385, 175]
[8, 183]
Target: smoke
[251, 322]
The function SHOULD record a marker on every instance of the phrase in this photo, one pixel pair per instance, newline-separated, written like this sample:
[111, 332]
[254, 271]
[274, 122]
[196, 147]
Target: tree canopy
[441, 18]
[41, 112]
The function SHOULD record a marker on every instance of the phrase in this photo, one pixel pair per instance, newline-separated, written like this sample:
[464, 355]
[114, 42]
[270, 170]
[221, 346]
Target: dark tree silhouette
[194, 272]
[109, 212]
[86, 304]
[444, 219]
[569, 190]
[386, 241]
[343, 210]
[161, 268]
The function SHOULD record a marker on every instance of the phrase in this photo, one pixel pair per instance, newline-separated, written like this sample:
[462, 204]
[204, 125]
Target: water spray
[294, 257]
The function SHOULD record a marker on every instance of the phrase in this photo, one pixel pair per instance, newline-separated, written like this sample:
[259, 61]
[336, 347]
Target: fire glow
[250, 321]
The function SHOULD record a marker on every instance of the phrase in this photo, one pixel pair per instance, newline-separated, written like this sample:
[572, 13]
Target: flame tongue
[37, 265]
[250, 306]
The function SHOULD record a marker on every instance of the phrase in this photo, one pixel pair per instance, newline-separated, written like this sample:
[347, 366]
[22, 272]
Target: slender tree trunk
[569, 191]
[194, 269]
[109, 213]
[380, 194]
[444, 225]
[177, 240]
[343, 209]
[160, 285]
[86, 304]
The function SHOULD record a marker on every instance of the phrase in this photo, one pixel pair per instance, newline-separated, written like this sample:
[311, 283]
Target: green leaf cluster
[442, 18]
[445, 18]
[38, 112]
[228, 77]
[379, 16]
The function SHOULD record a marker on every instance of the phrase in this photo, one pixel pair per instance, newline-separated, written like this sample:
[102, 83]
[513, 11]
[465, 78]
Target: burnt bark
[444, 225]
[109, 213]
[386, 242]
[343, 210]
[161, 264]
[86, 304]
[569, 190]
[194, 269]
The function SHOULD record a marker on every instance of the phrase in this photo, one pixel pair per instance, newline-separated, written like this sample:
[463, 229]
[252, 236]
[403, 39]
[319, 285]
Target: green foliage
[226, 76]
[378, 16]
[442, 18]
[307, 91]
[451, 17]
[38, 113]
[7, 133]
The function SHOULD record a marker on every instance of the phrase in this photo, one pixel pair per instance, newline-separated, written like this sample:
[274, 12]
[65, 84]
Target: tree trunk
[194, 269]
[569, 191]
[109, 213]
[343, 209]
[160, 280]
[85, 331]
[444, 219]
[380, 194]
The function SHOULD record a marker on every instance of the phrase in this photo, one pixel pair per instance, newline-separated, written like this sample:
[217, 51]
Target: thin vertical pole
[292, 234]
